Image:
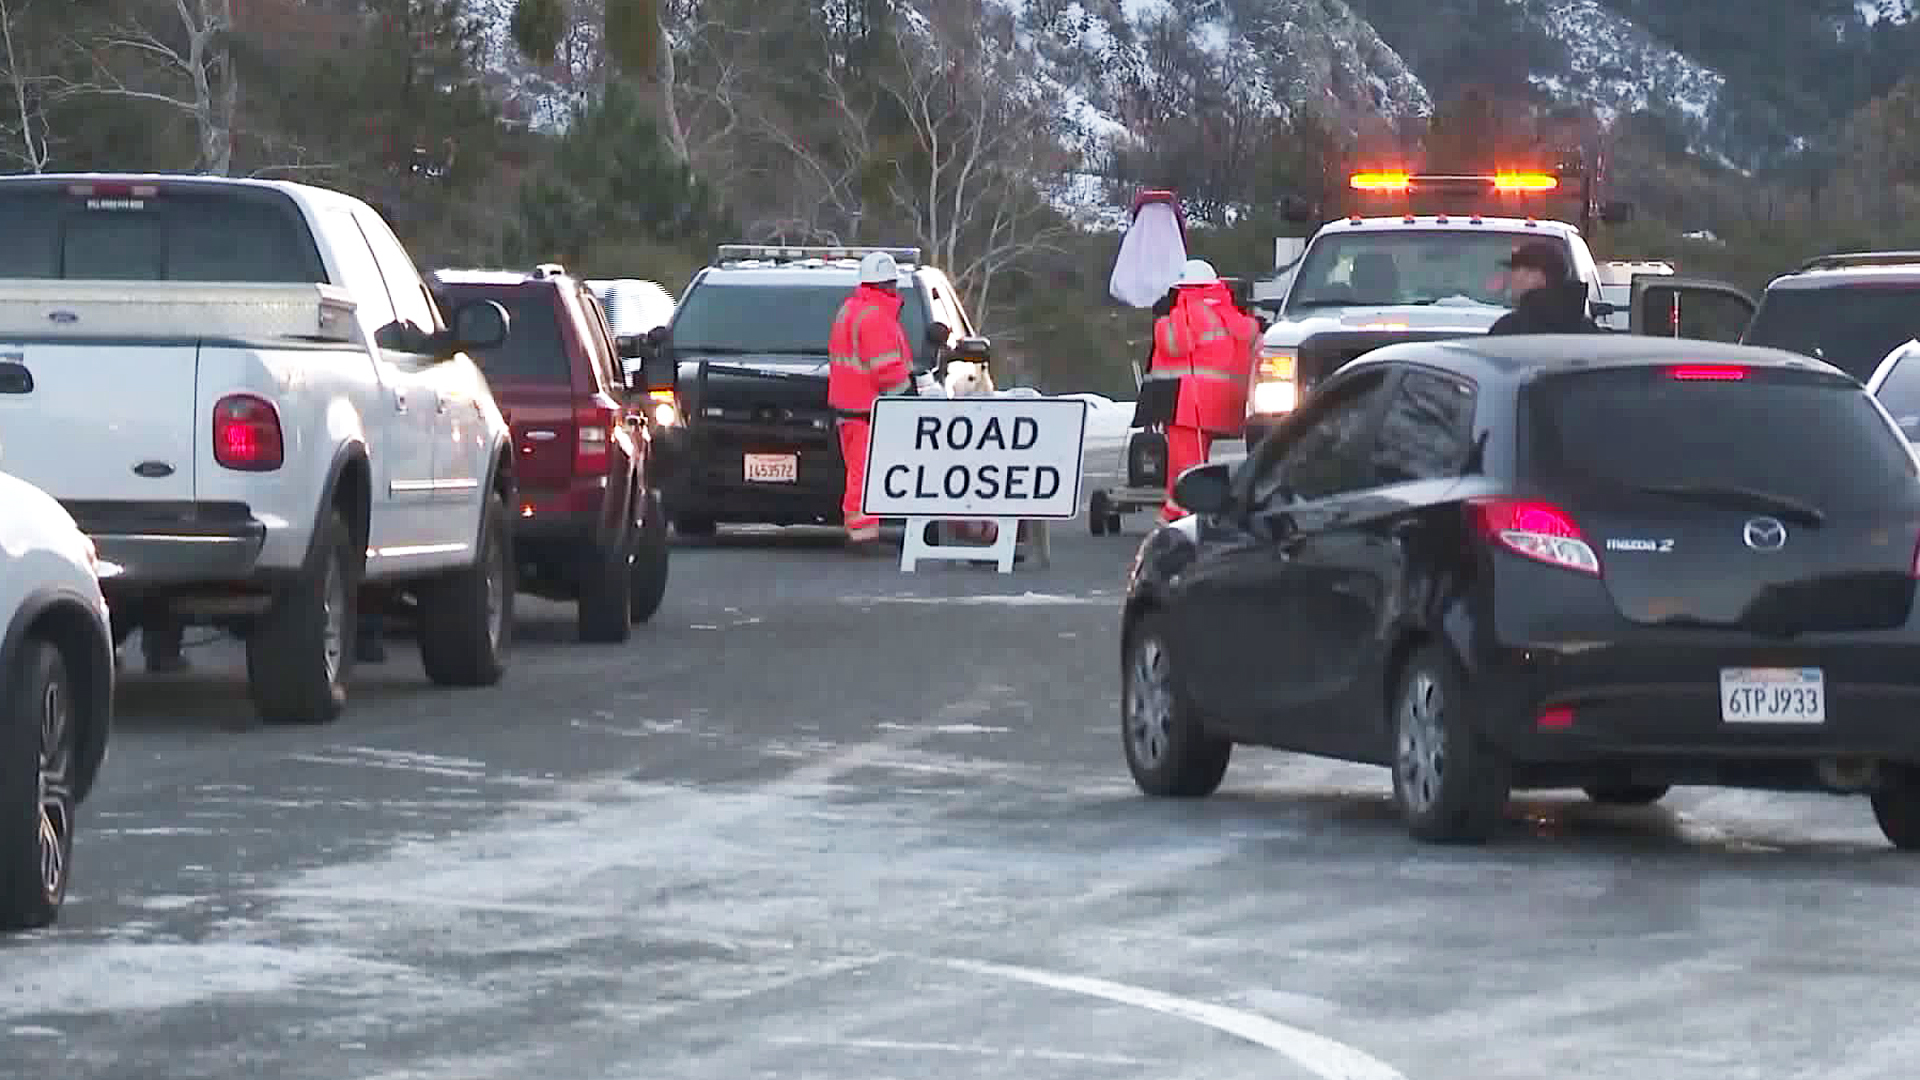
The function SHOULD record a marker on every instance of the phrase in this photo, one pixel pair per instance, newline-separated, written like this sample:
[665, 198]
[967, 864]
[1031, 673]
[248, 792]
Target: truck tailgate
[101, 421]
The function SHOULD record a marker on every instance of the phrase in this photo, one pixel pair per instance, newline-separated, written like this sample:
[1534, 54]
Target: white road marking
[978, 1049]
[951, 729]
[1319, 1055]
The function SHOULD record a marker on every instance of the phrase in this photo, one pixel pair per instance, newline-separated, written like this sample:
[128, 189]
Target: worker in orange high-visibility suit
[1206, 342]
[869, 356]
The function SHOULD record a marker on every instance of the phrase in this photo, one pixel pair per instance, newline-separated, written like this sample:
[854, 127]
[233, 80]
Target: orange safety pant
[1186, 447]
[853, 449]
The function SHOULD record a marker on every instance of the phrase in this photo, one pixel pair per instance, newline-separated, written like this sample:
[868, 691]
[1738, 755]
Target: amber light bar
[1502, 182]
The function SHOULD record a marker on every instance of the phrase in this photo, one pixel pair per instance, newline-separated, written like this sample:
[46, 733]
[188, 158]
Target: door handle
[399, 401]
[440, 403]
[15, 379]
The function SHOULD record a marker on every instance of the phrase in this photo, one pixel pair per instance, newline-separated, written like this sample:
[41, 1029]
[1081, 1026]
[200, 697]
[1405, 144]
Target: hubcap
[1149, 703]
[334, 604]
[1422, 758]
[496, 595]
[56, 787]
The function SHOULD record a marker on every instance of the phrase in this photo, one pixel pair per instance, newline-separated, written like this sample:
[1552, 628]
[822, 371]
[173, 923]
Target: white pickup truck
[243, 392]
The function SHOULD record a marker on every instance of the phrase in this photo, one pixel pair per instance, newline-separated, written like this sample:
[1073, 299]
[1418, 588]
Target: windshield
[1800, 435]
[182, 234]
[533, 351]
[729, 317]
[1444, 267]
[1852, 327]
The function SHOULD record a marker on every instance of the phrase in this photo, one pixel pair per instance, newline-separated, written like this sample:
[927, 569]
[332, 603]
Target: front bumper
[154, 546]
[708, 477]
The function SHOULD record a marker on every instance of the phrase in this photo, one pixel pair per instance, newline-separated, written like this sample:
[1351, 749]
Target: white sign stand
[1000, 459]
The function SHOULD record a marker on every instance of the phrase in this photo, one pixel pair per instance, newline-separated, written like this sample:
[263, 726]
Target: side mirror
[938, 333]
[1616, 213]
[631, 346]
[479, 324]
[977, 349]
[1205, 489]
[1296, 211]
[655, 337]
[1600, 309]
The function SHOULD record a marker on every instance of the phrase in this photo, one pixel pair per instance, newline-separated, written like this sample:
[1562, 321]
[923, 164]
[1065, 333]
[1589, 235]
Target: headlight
[1275, 390]
[1274, 397]
[666, 411]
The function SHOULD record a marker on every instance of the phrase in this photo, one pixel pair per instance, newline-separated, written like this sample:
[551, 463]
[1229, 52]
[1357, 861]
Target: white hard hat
[1197, 272]
[878, 268]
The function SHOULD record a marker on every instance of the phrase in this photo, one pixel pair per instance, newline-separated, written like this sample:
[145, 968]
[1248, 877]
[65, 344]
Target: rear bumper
[154, 546]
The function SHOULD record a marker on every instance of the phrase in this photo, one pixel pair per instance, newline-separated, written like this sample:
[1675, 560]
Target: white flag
[1151, 255]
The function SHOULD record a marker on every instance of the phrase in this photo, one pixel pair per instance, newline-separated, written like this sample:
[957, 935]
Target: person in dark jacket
[1547, 298]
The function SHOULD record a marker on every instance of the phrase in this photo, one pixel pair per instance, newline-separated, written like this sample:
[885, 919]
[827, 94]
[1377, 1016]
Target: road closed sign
[975, 457]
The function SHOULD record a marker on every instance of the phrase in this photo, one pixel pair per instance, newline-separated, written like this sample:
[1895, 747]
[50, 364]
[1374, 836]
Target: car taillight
[593, 439]
[246, 434]
[1708, 373]
[1537, 530]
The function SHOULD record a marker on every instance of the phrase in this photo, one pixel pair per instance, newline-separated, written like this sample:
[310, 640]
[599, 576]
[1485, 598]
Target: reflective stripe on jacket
[867, 352]
[1208, 344]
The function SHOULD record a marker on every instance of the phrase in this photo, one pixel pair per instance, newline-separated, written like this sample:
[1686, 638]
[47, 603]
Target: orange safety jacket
[1208, 344]
[867, 352]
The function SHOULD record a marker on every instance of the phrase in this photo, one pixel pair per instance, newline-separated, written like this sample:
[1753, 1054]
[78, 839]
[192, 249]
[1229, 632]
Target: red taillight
[1708, 373]
[593, 439]
[1537, 530]
[246, 434]
[1558, 718]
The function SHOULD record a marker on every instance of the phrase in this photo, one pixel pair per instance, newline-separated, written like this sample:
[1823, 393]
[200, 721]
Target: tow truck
[1431, 270]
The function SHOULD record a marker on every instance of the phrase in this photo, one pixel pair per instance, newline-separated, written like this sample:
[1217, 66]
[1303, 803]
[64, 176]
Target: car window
[178, 234]
[1853, 327]
[599, 345]
[1326, 455]
[360, 274]
[1423, 435]
[1805, 435]
[748, 317]
[1900, 394]
[411, 301]
[534, 352]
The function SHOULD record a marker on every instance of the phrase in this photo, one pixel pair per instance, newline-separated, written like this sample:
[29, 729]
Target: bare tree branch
[213, 89]
[34, 150]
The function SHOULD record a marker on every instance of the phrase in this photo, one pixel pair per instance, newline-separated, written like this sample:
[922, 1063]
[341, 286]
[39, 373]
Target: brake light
[113, 190]
[1537, 530]
[593, 439]
[247, 435]
[1708, 373]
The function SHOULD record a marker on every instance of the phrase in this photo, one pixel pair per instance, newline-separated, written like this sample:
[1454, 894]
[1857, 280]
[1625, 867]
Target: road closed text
[982, 457]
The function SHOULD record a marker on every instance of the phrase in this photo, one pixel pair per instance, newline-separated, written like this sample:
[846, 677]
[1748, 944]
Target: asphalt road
[809, 824]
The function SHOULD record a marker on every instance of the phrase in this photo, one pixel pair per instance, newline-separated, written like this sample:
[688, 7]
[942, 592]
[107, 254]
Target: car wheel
[1169, 752]
[1450, 785]
[301, 651]
[647, 578]
[605, 601]
[466, 617]
[1097, 514]
[1627, 794]
[39, 737]
[1897, 808]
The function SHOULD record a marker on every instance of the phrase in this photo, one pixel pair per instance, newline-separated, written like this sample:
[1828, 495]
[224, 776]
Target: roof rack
[1861, 258]
[780, 253]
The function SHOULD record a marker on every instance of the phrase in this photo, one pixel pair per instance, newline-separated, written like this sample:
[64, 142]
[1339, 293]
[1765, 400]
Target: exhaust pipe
[1849, 774]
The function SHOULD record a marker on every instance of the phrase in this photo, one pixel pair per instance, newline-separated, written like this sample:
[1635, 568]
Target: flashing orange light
[1525, 182]
[1380, 181]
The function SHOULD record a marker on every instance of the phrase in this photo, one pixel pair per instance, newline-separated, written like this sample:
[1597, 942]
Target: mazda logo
[1765, 534]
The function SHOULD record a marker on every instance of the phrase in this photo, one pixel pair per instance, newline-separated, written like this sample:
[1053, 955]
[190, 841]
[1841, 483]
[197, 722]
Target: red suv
[589, 527]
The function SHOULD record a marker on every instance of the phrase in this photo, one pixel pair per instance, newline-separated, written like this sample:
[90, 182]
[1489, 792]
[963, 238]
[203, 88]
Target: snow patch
[122, 978]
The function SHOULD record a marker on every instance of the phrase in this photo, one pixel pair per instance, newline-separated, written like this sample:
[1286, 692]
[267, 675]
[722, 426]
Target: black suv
[589, 527]
[746, 358]
[1608, 562]
[1849, 310]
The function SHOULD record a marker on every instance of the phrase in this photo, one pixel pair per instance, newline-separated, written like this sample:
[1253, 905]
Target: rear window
[728, 317]
[181, 234]
[1852, 327]
[534, 351]
[1804, 435]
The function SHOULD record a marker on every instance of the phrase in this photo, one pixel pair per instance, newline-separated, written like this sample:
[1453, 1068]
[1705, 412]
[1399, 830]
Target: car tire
[466, 617]
[1449, 784]
[1169, 751]
[301, 652]
[1097, 514]
[39, 759]
[605, 601]
[1627, 794]
[1897, 808]
[647, 578]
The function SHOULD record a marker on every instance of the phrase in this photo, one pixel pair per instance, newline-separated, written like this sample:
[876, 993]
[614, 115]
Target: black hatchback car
[1611, 563]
